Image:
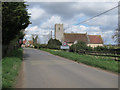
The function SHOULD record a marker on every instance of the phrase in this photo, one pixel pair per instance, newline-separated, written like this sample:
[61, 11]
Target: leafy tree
[101, 48]
[116, 36]
[14, 19]
[54, 44]
[72, 48]
[79, 46]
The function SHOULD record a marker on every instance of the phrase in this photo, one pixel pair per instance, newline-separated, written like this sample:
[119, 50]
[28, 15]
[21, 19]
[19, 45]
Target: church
[72, 38]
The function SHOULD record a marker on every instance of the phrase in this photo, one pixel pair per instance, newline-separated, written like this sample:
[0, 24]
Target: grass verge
[105, 63]
[10, 68]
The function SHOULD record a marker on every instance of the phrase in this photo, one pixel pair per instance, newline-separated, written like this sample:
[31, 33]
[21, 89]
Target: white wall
[94, 45]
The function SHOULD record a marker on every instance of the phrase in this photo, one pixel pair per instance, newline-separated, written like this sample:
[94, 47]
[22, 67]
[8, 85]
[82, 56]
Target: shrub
[36, 46]
[72, 48]
[42, 45]
[80, 46]
[101, 48]
[54, 44]
[89, 48]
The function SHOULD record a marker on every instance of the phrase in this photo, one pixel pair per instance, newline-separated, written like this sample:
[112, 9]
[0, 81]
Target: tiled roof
[24, 41]
[72, 37]
[95, 39]
[30, 42]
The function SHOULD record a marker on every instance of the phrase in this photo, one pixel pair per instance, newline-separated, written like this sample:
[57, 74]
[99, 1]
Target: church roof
[72, 37]
[95, 39]
[91, 39]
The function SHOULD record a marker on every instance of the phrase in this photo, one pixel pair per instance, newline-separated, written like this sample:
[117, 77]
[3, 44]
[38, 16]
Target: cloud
[43, 35]
[105, 21]
[84, 29]
[51, 22]
[36, 30]
[28, 37]
[72, 0]
[70, 9]
[107, 37]
[36, 12]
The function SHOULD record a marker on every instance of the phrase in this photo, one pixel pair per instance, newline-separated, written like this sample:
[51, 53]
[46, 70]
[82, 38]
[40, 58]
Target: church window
[59, 28]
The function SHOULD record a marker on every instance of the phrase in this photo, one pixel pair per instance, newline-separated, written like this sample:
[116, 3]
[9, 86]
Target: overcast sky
[44, 15]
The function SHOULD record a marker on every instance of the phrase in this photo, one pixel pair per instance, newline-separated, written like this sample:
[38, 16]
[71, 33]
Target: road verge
[10, 68]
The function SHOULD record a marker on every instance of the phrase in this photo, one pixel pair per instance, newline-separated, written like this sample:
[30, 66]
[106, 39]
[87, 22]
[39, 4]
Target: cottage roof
[30, 42]
[95, 39]
[24, 41]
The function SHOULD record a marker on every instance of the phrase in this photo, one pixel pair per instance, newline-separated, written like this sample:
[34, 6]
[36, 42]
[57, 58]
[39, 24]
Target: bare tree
[116, 36]
[34, 38]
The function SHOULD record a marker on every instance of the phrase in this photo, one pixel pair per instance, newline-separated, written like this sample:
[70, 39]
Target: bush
[80, 46]
[72, 48]
[101, 48]
[54, 44]
[89, 48]
[42, 46]
[36, 46]
[53, 47]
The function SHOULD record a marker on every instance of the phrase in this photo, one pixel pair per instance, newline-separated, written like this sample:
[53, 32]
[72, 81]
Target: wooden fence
[108, 53]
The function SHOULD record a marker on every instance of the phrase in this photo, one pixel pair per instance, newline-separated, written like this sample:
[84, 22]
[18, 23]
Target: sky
[44, 16]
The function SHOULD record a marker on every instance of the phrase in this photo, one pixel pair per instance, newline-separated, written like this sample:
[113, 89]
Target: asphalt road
[44, 70]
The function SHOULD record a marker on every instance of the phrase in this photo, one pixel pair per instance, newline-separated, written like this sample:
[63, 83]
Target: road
[44, 70]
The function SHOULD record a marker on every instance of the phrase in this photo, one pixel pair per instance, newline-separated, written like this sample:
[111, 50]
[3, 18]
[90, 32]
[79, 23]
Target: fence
[108, 53]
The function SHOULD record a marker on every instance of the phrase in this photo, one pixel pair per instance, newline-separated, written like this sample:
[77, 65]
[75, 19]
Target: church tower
[59, 32]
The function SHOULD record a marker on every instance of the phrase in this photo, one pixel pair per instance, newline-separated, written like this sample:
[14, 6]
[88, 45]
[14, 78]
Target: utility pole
[118, 25]
[51, 34]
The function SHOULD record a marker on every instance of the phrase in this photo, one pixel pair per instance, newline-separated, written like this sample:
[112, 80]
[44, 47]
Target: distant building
[27, 42]
[24, 41]
[72, 38]
[30, 42]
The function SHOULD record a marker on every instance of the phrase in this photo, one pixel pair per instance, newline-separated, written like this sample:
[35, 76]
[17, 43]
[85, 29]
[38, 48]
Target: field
[10, 68]
[106, 63]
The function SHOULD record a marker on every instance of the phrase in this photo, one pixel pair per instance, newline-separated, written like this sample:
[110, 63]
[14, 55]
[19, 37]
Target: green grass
[10, 68]
[105, 63]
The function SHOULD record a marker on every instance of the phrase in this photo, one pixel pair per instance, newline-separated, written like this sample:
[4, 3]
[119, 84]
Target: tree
[34, 38]
[54, 44]
[79, 46]
[116, 36]
[14, 19]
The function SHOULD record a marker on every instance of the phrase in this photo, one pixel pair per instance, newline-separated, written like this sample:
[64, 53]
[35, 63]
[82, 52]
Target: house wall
[69, 44]
[94, 45]
[59, 32]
